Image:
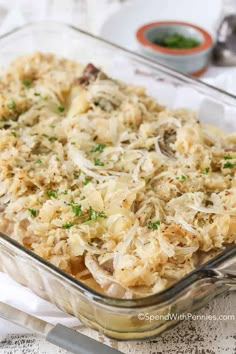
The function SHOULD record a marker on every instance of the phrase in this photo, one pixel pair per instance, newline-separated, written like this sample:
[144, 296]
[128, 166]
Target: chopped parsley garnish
[11, 105]
[27, 82]
[153, 225]
[50, 138]
[94, 215]
[176, 41]
[38, 161]
[60, 108]
[98, 162]
[52, 126]
[228, 157]
[229, 165]
[98, 148]
[46, 98]
[65, 192]
[52, 194]
[206, 170]
[69, 224]
[76, 209]
[182, 178]
[77, 174]
[86, 180]
[37, 94]
[14, 134]
[32, 212]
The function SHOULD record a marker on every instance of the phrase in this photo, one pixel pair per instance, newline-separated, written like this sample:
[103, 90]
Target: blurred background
[118, 20]
[92, 15]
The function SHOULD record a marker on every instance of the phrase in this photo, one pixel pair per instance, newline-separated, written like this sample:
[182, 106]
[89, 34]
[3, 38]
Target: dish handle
[223, 269]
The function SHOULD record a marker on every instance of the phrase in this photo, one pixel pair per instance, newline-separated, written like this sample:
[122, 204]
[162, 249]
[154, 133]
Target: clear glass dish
[119, 318]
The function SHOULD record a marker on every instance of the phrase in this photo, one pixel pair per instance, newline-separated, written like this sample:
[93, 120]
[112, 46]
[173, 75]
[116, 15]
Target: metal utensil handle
[77, 343]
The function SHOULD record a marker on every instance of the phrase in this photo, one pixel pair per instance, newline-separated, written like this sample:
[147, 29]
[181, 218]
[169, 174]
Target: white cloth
[24, 299]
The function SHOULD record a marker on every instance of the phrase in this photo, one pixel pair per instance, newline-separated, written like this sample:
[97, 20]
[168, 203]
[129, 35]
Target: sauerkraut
[105, 183]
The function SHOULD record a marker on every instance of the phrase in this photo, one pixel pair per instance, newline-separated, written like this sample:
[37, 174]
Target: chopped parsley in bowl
[177, 41]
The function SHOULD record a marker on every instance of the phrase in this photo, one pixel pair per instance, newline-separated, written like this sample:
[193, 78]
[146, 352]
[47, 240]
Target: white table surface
[189, 337]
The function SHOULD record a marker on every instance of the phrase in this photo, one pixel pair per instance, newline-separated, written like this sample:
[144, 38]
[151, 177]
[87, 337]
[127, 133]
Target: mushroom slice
[166, 141]
[89, 74]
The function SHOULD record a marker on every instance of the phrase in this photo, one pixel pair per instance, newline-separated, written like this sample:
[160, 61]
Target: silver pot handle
[223, 269]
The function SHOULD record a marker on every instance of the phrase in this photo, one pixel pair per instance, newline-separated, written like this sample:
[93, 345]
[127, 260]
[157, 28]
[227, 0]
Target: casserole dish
[121, 318]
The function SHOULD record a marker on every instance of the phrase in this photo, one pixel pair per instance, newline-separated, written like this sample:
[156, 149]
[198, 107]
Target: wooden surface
[190, 337]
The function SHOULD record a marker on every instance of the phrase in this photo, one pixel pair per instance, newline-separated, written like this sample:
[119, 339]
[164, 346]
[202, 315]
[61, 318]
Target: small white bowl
[193, 61]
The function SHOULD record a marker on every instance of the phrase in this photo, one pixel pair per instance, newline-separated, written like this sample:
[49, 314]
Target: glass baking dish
[119, 318]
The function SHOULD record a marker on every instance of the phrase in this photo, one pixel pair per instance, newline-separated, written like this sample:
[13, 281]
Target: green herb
[11, 105]
[52, 194]
[65, 192]
[98, 162]
[38, 161]
[77, 174]
[86, 180]
[73, 143]
[50, 138]
[69, 224]
[98, 148]
[46, 98]
[176, 41]
[94, 215]
[32, 212]
[182, 178]
[206, 170]
[153, 225]
[52, 126]
[76, 209]
[27, 83]
[37, 94]
[14, 134]
[60, 108]
[228, 157]
[229, 165]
